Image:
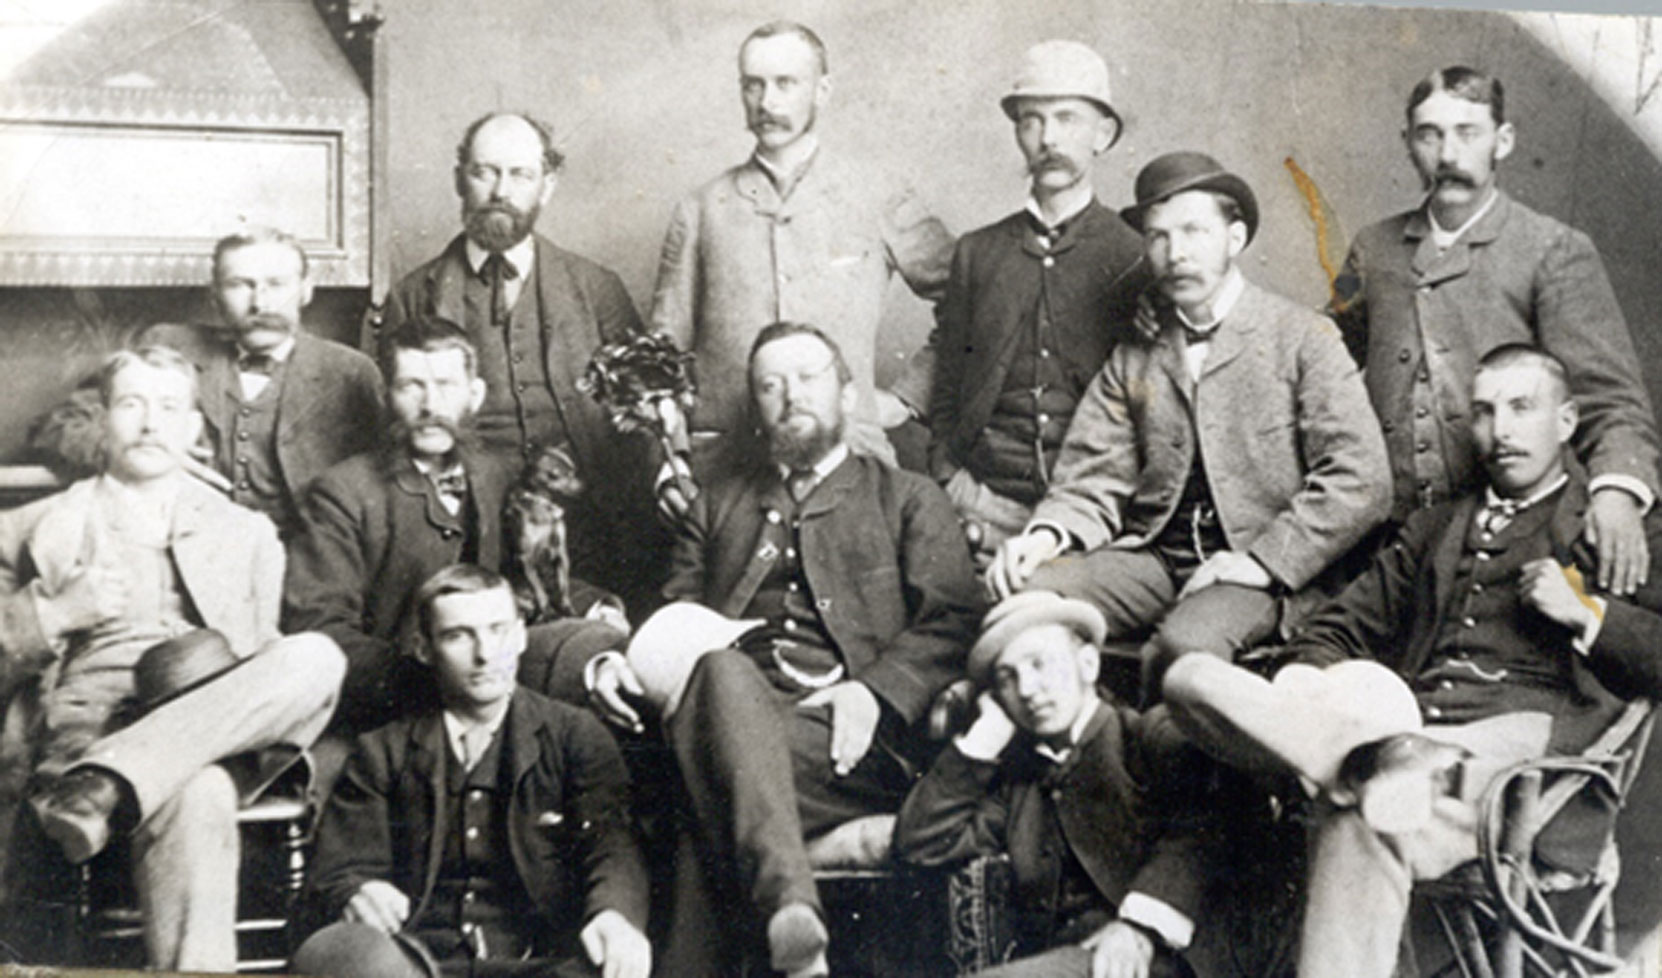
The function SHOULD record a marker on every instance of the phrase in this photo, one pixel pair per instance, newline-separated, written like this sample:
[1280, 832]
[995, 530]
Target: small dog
[535, 520]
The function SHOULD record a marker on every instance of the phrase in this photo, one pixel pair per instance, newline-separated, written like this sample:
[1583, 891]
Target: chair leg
[1515, 847]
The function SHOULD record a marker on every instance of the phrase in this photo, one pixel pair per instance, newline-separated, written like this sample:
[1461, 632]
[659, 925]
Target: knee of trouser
[314, 656]
[1187, 683]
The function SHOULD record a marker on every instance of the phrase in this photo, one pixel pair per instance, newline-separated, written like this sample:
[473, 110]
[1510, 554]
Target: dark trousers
[758, 775]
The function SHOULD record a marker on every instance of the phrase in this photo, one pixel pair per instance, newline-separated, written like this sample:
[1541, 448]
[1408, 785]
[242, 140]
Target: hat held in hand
[172, 668]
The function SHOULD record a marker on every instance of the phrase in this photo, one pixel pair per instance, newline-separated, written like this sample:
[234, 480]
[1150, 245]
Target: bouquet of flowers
[646, 384]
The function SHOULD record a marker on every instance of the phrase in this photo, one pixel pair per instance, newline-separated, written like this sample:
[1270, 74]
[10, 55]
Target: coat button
[1403, 355]
[1433, 713]
[1048, 262]
[472, 832]
[773, 516]
[1468, 622]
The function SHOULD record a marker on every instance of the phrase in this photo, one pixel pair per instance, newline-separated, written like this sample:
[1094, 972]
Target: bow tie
[1497, 514]
[1191, 336]
[495, 266]
[257, 363]
[452, 483]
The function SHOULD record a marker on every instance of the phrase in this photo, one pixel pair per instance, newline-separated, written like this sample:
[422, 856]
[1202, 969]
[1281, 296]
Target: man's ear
[459, 178]
[850, 399]
[1089, 658]
[475, 394]
[822, 91]
[1237, 238]
[1506, 140]
[423, 650]
[549, 182]
[196, 425]
[1569, 415]
[306, 288]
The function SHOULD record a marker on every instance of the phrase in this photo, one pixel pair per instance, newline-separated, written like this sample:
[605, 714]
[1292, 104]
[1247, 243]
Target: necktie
[1498, 514]
[497, 270]
[1191, 336]
[257, 363]
[452, 482]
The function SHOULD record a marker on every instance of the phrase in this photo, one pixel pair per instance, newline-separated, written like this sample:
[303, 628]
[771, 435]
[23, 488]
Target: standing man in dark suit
[1476, 639]
[1425, 294]
[1098, 807]
[279, 404]
[536, 313]
[378, 524]
[864, 600]
[490, 833]
[1031, 309]
[1221, 465]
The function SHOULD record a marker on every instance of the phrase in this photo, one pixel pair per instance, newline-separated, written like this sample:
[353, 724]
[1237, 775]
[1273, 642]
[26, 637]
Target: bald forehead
[1518, 378]
[766, 55]
[506, 134]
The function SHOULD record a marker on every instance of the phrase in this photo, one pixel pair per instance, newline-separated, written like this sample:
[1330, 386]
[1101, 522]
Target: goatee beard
[798, 452]
[498, 227]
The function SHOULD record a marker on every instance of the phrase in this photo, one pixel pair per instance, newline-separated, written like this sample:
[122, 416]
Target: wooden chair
[1511, 913]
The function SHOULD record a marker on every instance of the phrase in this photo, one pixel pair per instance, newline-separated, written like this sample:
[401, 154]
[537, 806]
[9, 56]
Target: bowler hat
[1028, 609]
[1062, 69]
[359, 950]
[1169, 175]
[172, 668]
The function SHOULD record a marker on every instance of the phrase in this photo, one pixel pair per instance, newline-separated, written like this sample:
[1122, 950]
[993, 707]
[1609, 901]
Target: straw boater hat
[1062, 69]
[1167, 176]
[1029, 609]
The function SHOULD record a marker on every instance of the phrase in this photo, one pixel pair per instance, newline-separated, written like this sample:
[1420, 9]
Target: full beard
[800, 451]
[499, 226]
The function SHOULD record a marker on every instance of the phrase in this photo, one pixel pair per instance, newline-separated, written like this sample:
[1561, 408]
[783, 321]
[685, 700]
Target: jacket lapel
[447, 283]
[1445, 558]
[1432, 267]
[772, 502]
[427, 761]
[411, 482]
[1234, 333]
[302, 380]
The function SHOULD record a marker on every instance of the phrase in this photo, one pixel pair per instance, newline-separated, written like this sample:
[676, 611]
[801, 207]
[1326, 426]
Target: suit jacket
[373, 530]
[1515, 277]
[995, 291]
[568, 824]
[1293, 453]
[1394, 610]
[329, 406]
[583, 306]
[736, 257]
[1128, 801]
[884, 558]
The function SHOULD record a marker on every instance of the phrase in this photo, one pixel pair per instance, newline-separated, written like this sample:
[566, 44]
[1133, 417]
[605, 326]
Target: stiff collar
[521, 256]
[1076, 733]
[1443, 238]
[1493, 500]
[1223, 302]
[1072, 212]
[824, 467]
[805, 152]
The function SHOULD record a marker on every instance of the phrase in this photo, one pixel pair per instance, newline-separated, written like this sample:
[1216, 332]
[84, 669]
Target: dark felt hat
[363, 952]
[172, 668]
[1169, 175]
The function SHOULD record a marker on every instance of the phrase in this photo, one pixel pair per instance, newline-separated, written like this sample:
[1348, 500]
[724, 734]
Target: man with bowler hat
[1220, 465]
[1033, 301]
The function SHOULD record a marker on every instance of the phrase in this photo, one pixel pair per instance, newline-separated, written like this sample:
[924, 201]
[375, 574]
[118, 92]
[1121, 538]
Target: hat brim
[1227, 184]
[1083, 619]
[1009, 102]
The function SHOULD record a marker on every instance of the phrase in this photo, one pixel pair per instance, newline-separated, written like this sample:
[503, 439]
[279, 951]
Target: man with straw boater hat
[1099, 807]
[1220, 465]
[1033, 303]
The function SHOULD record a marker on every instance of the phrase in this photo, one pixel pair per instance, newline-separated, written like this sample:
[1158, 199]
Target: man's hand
[1120, 950]
[1147, 319]
[990, 733]
[1018, 557]
[892, 412]
[615, 946]
[613, 681]
[1617, 529]
[854, 716]
[1228, 567]
[607, 612]
[380, 905]
[1546, 587]
[673, 504]
[95, 594]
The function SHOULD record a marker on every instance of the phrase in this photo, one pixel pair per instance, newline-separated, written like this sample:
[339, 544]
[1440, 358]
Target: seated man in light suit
[92, 577]
[1473, 641]
[858, 580]
[487, 835]
[1216, 467]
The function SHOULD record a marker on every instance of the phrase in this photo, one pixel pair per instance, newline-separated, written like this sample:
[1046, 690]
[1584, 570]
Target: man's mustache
[1052, 161]
[767, 120]
[1451, 177]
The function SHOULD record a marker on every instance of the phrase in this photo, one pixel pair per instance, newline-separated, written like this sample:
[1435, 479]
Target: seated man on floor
[1220, 465]
[859, 581]
[1098, 807]
[530, 866]
[91, 578]
[378, 524]
[1472, 642]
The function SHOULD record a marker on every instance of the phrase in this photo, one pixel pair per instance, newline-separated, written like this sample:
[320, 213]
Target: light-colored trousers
[1306, 722]
[185, 846]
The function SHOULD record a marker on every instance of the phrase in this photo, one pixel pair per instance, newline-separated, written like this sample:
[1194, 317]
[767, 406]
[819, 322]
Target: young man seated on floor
[1098, 806]
[1475, 640]
[489, 836]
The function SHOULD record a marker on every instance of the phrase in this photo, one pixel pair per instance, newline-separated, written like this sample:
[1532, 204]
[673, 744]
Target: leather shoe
[76, 812]
[797, 941]
[1396, 781]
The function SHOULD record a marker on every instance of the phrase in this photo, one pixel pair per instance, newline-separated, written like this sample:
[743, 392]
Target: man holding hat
[1031, 307]
[1474, 640]
[1099, 807]
[1216, 467]
[92, 580]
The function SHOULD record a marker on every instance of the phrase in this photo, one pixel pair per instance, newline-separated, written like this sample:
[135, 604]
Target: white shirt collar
[455, 727]
[1073, 212]
[824, 466]
[1494, 500]
[1075, 733]
[521, 256]
[798, 159]
[279, 354]
[1445, 238]
[1223, 301]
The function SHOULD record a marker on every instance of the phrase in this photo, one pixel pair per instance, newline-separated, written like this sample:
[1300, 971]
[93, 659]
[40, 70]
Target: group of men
[1129, 441]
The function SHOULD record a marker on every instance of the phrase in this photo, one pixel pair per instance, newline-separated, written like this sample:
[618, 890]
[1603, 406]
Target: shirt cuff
[1173, 927]
[591, 668]
[1583, 643]
[1061, 532]
[1632, 484]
